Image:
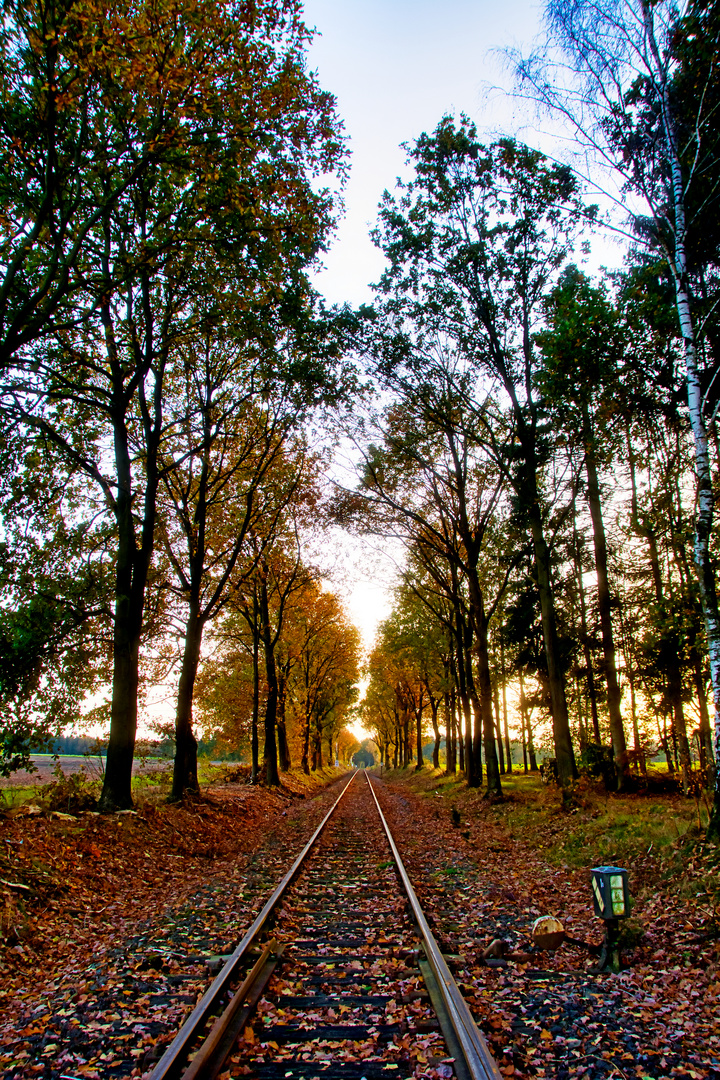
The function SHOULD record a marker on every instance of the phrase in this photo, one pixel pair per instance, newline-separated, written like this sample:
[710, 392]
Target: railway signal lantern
[610, 892]
[611, 898]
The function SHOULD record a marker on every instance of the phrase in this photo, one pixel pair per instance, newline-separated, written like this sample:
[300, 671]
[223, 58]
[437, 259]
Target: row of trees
[284, 626]
[526, 407]
[468, 621]
[161, 347]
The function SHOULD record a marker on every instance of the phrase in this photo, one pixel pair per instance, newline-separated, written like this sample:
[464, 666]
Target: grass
[15, 796]
[658, 832]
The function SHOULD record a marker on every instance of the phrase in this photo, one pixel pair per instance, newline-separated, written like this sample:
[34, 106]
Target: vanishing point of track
[339, 976]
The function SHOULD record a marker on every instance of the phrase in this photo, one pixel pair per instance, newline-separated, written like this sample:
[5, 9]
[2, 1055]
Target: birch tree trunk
[677, 259]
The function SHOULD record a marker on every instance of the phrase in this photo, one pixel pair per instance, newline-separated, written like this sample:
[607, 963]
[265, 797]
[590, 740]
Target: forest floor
[489, 869]
[110, 926]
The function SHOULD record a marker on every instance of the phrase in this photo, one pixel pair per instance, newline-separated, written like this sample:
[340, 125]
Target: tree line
[167, 183]
[526, 408]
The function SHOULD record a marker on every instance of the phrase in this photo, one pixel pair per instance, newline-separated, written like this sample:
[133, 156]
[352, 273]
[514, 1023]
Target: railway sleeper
[291, 1033]
[368, 1069]
[329, 1001]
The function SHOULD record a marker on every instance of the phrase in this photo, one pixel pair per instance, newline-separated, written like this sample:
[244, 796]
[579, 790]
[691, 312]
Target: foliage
[205, 213]
[56, 593]
[70, 793]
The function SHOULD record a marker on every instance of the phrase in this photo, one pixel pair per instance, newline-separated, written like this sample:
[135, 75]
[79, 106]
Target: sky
[396, 67]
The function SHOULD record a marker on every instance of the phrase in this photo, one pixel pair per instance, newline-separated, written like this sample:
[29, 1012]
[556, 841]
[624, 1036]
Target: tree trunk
[317, 746]
[677, 259]
[434, 706]
[679, 730]
[664, 742]
[255, 721]
[528, 739]
[307, 721]
[473, 716]
[464, 724]
[117, 781]
[640, 764]
[185, 779]
[494, 786]
[450, 757]
[270, 754]
[498, 729]
[707, 762]
[582, 726]
[418, 740]
[640, 756]
[131, 574]
[508, 748]
[617, 731]
[567, 771]
[590, 674]
[523, 721]
[531, 746]
[305, 760]
[283, 748]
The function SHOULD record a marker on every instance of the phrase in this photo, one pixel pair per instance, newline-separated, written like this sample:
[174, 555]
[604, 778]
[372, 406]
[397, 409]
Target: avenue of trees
[542, 441]
[545, 443]
[161, 343]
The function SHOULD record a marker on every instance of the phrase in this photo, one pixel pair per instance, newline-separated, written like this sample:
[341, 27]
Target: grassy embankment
[656, 830]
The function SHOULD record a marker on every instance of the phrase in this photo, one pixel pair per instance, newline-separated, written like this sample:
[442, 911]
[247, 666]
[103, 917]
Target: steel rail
[480, 1063]
[209, 1061]
[170, 1063]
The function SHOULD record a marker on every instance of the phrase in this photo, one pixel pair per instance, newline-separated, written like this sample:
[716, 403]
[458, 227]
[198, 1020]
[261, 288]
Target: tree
[323, 667]
[233, 466]
[474, 241]
[231, 212]
[638, 82]
[378, 708]
[582, 349]
[92, 101]
[56, 586]
[311, 666]
[433, 483]
[418, 642]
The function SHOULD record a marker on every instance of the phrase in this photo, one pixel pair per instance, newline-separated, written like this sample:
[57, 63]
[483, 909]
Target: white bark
[677, 259]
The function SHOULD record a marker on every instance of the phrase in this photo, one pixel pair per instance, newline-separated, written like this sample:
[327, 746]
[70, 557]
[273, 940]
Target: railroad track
[338, 977]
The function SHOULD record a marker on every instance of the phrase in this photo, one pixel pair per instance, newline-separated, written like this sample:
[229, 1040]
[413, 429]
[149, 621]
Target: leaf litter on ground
[113, 927]
[550, 1016]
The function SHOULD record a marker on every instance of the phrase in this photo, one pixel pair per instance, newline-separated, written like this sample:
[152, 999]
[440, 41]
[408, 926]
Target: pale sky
[396, 67]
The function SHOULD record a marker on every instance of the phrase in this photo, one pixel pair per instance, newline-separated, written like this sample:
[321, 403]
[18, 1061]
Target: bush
[597, 761]
[70, 793]
[549, 771]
